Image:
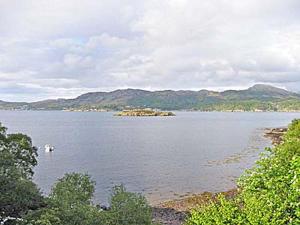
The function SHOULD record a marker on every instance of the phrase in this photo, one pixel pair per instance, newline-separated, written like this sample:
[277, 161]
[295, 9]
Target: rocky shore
[275, 134]
[174, 212]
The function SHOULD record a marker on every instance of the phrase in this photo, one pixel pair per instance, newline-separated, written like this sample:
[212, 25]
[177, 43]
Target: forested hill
[256, 98]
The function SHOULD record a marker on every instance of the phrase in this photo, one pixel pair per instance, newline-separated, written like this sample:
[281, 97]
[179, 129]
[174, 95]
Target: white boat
[49, 148]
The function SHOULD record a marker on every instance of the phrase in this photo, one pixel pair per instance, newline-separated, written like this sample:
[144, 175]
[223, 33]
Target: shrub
[71, 189]
[129, 208]
[70, 203]
[221, 212]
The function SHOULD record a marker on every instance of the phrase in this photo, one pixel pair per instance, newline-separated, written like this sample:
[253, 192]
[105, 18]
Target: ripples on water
[162, 157]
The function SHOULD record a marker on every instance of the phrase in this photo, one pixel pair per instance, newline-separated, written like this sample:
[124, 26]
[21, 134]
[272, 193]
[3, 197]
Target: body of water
[161, 157]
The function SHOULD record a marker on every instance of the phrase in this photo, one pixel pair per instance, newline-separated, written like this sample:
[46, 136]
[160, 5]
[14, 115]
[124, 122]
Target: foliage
[17, 158]
[128, 208]
[70, 204]
[18, 152]
[270, 192]
[251, 105]
[73, 188]
[221, 212]
[76, 215]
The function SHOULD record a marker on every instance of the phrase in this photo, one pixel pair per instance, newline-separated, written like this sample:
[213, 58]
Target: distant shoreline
[259, 97]
[103, 111]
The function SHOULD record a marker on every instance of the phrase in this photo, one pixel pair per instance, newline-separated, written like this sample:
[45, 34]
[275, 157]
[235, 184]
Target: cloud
[65, 48]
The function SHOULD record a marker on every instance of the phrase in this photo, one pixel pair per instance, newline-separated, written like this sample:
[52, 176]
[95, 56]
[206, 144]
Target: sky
[64, 48]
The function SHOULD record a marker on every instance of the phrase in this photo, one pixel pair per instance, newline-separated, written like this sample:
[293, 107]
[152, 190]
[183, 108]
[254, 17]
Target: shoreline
[186, 110]
[175, 211]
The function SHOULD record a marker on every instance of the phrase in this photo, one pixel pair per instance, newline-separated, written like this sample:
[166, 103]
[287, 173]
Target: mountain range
[259, 97]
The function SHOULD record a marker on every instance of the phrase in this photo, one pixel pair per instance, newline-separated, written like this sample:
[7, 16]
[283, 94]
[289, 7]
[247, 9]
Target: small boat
[49, 148]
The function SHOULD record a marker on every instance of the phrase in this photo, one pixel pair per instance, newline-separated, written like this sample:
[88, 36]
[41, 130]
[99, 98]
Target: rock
[103, 207]
[275, 134]
[168, 216]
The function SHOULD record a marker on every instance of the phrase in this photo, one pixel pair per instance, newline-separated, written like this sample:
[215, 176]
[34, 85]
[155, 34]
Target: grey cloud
[63, 48]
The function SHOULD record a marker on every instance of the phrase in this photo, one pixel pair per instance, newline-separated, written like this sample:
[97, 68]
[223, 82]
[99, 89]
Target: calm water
[162, 157]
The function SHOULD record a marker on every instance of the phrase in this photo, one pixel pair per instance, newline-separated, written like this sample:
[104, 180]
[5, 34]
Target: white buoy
[49, 148]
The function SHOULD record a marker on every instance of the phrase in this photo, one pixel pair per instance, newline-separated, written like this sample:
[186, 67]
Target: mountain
[258, 97]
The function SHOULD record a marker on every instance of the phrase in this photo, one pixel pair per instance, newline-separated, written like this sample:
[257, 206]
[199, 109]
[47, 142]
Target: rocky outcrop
[275, 134]
[143, 112]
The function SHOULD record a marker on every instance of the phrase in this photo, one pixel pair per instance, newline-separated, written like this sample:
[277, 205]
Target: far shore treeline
[257, 98]
[269, 193]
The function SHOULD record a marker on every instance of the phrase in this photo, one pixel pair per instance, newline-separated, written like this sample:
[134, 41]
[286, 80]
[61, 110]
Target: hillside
[256, 98]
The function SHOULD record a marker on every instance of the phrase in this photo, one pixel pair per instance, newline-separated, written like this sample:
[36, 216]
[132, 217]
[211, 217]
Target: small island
[143, 112]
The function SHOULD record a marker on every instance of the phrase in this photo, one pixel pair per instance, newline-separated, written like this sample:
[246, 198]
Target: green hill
[256, 98]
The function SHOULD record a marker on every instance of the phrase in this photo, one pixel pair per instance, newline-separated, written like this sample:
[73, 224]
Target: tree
[129, 208]
[69, 203]
[18, 193]
[73, 188]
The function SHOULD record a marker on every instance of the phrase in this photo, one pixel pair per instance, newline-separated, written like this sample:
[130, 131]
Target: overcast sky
[63, 48]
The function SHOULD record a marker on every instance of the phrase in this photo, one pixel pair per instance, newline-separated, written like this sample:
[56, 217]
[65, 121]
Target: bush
[73, 188]
[129, 208]
[221, 212]
[70, 203]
